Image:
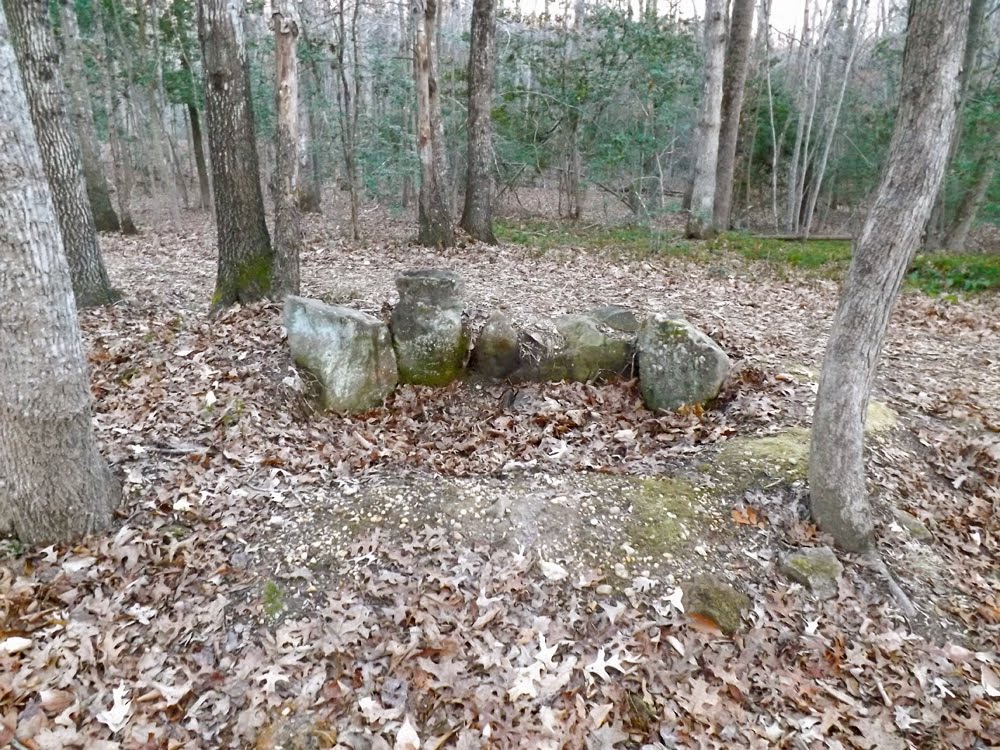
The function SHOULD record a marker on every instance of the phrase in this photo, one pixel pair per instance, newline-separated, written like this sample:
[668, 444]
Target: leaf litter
[262, 589]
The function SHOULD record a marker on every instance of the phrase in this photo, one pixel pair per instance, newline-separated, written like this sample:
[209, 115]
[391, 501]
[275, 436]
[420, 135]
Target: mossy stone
[666, 513]
[880, 418]
[782, 457]
[711, 597]
[816, 568]
[912, 525]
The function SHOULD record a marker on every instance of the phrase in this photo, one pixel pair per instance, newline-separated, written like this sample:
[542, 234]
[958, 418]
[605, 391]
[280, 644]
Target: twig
[875, 561]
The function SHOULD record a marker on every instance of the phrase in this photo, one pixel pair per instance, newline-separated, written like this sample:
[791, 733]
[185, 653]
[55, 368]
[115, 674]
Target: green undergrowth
[933, 274]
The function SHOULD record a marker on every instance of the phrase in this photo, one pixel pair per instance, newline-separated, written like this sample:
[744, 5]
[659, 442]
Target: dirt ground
[448, 571]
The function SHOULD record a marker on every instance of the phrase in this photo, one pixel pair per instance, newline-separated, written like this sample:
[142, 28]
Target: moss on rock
[782, 457]
[816, 568]
[711, 597]
[666, 514]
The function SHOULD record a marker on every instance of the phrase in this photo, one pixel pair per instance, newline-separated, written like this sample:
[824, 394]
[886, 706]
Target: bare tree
[918, 153]
[54, 485]
[434, 217]
[245, 256]
[706, 139]
[477, 215]
[38, 56]
[734, 83]
[287, 231]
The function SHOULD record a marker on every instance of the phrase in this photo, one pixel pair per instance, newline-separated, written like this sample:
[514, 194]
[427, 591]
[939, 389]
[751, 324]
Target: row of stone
[357, 360]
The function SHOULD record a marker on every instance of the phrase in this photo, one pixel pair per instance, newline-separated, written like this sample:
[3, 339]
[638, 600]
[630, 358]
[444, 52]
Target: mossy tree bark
[38, 58]
[477, 214]
[54, 485]
[706, 145]
[287, 231]
[98, 191]
[246, 259]
[918, 154]
[434, 218]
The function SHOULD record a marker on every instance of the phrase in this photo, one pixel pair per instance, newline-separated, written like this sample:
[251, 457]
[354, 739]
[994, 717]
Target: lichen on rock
[678, 364]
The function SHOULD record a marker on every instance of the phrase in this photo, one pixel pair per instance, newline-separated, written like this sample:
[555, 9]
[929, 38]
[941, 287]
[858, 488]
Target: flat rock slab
[622, 526]
[348, 352]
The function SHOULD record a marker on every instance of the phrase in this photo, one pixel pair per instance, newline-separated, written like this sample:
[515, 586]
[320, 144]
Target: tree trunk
[915, 166]
[287, 233]
[38, 57]
[98, 192]
[935, 237]
[477, 215]
[434, 218]
[706, 140]
[310, 193]
[348, 108]
[54, 485]
[197, 145]
[117, 134]
[734, 83]
[972, 201]
[245, 255]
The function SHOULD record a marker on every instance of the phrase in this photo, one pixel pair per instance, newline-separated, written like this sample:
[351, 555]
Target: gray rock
[678, 364]
[573, 347]
[616, 317]
[497, 353]
[816, 568]
[428, 327]
[348, 352]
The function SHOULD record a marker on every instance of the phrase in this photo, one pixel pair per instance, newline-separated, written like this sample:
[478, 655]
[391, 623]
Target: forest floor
[448, 571]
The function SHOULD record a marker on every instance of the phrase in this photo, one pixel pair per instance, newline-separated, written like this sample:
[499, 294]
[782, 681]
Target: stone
[616, 317]
[348, 352]
[573, 347]
[711, 597]
[880, 418]
[429, 331]
[912, 525]
[497, 352]
[816, 568]
[678, 364]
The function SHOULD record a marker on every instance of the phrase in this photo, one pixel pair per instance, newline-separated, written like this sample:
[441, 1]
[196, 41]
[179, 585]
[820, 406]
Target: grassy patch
[273, 599]
[813, 255]
[931, 274]
[627, 241]
[937, 274]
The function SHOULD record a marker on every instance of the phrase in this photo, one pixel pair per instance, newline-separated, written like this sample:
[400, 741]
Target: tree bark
[38, 57]
[706, 158]
[245, 256]
[287, 231]
[98, 191]
[918, 153]
[435, 228]
[54, 485]
[734, 84]
[477, 214]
